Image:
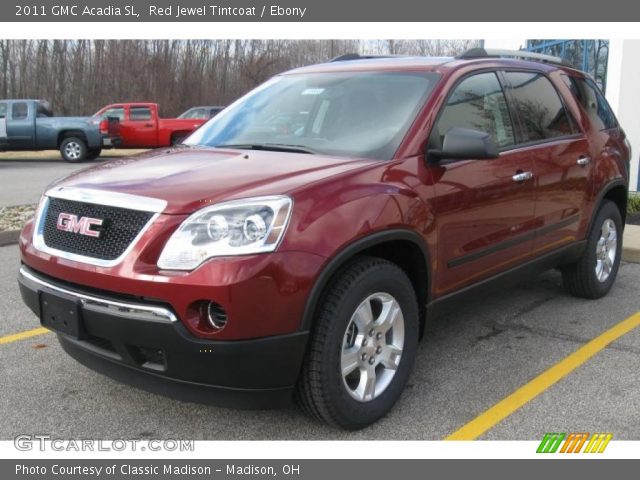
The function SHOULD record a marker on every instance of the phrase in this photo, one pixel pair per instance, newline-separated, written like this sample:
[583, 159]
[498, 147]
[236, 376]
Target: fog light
[216, 315]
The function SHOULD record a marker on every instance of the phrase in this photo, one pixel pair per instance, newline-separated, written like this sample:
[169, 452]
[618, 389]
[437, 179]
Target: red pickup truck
[142, 127]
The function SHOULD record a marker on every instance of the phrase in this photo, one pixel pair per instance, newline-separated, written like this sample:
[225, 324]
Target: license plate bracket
[61, 314]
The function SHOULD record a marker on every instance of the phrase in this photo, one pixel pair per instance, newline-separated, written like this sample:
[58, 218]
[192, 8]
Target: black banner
[317, 469]
[315, 11]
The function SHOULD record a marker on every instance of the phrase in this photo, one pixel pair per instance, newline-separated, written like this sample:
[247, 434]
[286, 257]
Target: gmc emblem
[68, 222]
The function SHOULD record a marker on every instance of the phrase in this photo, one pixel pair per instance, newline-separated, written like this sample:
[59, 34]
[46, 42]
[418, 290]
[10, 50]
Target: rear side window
[19, 111]
[538, 106]
[44, 110]
[3, 110]
[478, 103]
[593, 101]
[140, 113]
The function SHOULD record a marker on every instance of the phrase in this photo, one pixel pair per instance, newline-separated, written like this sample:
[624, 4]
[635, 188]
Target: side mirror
[465, 143]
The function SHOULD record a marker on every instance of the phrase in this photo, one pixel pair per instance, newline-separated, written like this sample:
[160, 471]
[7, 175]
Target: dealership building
[614, 64]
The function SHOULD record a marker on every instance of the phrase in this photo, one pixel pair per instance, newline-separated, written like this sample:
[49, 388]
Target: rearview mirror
[465, 143]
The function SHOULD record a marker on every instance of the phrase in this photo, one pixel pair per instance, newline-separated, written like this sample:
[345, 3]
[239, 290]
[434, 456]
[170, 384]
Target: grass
[55, 154]
[633, 205]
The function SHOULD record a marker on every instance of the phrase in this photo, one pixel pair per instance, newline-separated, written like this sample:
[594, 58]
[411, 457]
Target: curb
[9, 237]
[631, 255]
[631, 244]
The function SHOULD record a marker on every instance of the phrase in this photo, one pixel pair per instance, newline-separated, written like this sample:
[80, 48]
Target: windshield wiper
[273, 147]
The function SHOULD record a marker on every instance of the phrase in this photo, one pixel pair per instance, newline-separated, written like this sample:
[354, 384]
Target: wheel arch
[403, 247]
[71, 133]
[616, 191]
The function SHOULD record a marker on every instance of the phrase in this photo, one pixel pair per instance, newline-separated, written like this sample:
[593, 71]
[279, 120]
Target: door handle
[583, 161]
[148, 125]
[521, 177]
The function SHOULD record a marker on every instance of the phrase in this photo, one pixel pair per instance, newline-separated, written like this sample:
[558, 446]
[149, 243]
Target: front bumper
[142, 343]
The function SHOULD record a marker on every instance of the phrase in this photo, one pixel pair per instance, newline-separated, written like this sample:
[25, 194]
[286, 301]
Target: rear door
[484, 208]
[21, 125]
[551, 137]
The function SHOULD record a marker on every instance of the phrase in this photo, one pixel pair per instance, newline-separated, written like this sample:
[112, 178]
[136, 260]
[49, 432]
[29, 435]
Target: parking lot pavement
[472, 357]
[25, 175]
[23, 181]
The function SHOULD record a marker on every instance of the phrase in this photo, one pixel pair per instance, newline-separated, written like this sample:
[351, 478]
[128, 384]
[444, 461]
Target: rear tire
[93, 153]
[362, 347]
[177, 139]
[73, 150]
[593, 275]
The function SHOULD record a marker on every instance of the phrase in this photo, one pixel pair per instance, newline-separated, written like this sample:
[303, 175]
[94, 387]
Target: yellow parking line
[23, 335]
[542, 382]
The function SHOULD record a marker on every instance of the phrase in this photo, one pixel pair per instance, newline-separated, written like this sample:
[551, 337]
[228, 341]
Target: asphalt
[23, 181]
[473, 355]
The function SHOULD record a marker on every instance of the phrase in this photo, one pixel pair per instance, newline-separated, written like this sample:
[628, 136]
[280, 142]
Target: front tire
[593, 275]
[73, 150]
[362, 347]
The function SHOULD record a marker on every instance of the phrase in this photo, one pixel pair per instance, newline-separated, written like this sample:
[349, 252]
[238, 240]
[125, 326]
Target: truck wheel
[93, 153]
[73, 149]
[362, 347]
[594, 273]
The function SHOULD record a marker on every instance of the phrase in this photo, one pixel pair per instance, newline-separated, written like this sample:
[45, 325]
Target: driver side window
[478, 103]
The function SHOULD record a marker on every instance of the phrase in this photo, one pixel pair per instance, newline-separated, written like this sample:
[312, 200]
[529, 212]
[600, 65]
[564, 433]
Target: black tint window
[477, 102]
[44, 110]
[19, 111]
[116, 112]
[593, 101]
[3, 110]
[539, 107]
[140, 113]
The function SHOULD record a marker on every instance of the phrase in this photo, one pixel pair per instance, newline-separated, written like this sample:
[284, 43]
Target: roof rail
[523, 54]
[357, 56]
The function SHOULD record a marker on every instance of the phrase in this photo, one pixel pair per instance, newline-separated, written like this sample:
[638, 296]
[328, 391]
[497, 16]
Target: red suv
[296, 244]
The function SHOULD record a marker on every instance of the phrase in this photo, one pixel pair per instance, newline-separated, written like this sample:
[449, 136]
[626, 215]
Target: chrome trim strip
[110, 307]
[39, 244]
[112, 199]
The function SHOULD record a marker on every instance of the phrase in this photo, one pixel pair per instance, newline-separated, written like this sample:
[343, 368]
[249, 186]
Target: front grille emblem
[67, 222]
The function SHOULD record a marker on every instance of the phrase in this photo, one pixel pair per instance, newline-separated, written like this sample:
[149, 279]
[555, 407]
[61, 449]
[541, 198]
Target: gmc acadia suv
[296, 244]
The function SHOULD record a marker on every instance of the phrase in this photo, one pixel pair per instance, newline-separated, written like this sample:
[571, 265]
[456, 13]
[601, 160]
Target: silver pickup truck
[30, 125]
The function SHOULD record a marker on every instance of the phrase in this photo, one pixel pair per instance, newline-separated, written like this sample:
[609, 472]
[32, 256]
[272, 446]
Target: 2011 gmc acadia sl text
[295, 245]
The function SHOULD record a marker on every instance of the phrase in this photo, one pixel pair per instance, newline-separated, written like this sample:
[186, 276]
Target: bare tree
[80, 76]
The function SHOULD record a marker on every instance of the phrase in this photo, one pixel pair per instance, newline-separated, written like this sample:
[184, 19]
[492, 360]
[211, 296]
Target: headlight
[239, 227]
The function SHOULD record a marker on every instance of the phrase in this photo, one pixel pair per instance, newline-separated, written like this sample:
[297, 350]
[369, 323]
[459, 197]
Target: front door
[143, 126]
[483, 208]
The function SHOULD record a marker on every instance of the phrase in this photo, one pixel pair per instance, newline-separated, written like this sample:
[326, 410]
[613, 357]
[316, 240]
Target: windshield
[194, 113]
[346, 114]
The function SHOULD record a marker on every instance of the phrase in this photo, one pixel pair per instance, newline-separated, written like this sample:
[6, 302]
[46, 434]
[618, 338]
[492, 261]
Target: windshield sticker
[313, 91]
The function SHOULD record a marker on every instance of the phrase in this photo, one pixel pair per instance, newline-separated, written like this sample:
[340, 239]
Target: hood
[187, 178]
